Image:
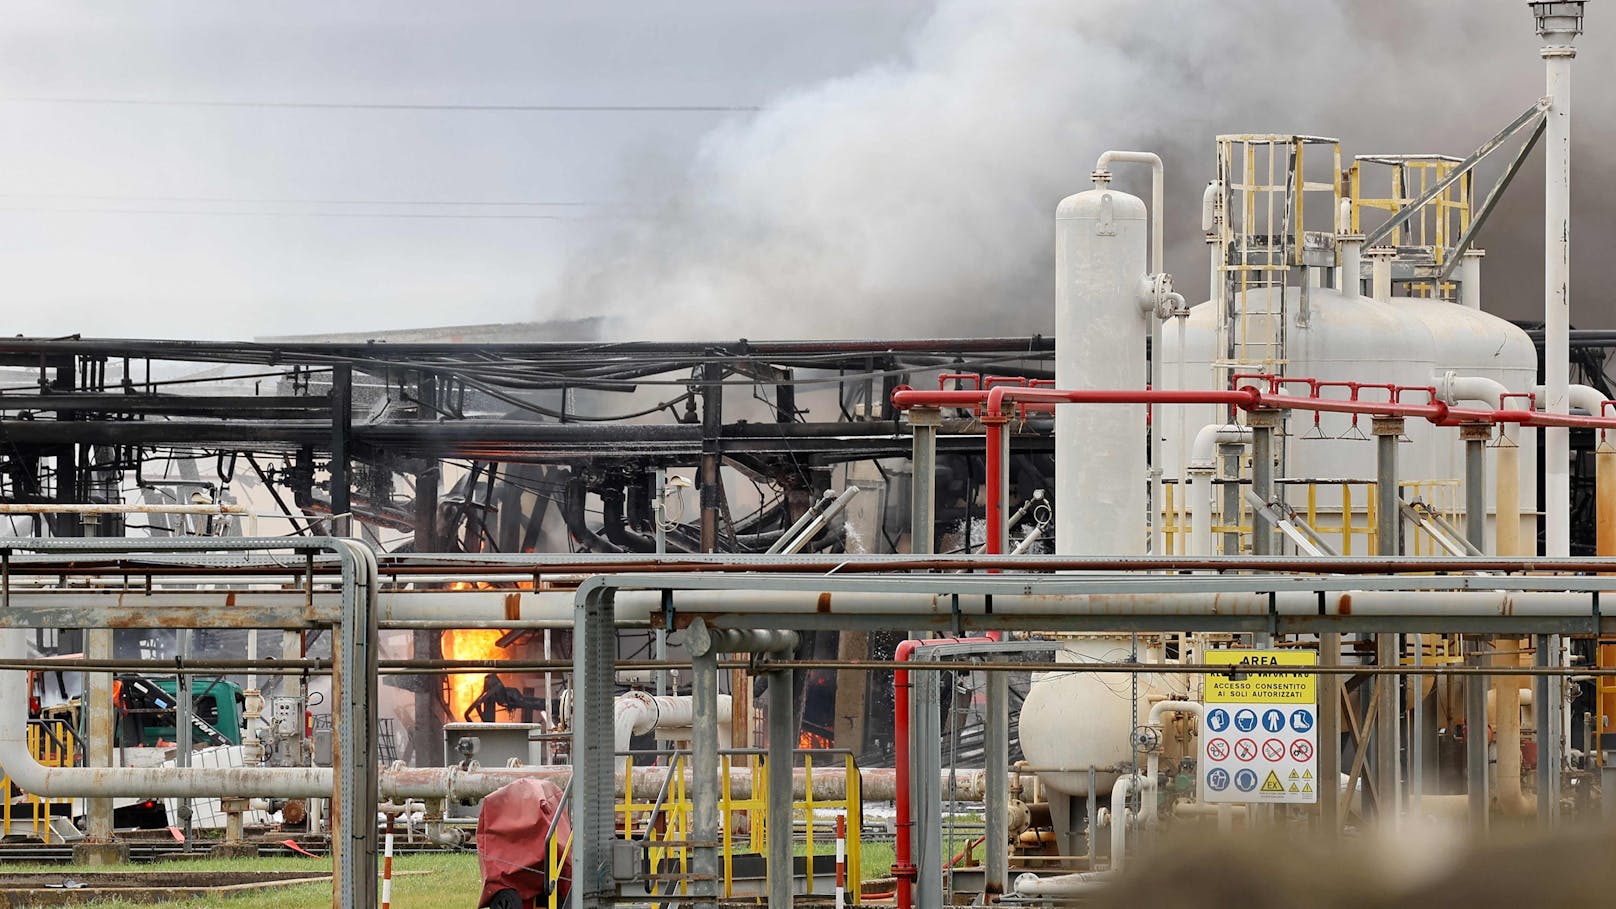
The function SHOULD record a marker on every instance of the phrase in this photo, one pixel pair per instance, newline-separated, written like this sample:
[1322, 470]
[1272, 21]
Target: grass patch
[453, 882]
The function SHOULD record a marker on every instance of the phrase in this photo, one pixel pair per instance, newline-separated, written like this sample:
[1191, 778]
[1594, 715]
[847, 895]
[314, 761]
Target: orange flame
[807, 739]
[469, 644]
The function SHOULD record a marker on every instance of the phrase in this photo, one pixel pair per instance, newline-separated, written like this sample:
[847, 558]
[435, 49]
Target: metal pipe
[1124, 786]
[1380, 280]
[923, 422]
[1470, 278]
[1558, 33]
[795, 530]
[1156, 265]
[1158, 712]
[704, 789]
[996, 806]
[782, 743]
[819, 522]
[117, 508]
[98, 709]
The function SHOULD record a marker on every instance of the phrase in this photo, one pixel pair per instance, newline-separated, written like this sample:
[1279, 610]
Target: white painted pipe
[1200, 488]
[1470, 278]
[117, 508]
[1031, 885]
[1580, 397]
[638, 606]
[1380, 274]
[1158, 713]
[1349, 252]
[1557, 54]
[637, 713]
[819, 522]
[1156, 265]
[1120, 791]
[1453, 388]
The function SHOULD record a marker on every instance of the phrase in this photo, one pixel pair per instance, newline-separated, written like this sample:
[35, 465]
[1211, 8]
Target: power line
[240, 213]
[335, 105]
[249, 200]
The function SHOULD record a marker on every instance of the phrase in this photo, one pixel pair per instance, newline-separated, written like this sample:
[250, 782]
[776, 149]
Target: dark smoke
[915, 197]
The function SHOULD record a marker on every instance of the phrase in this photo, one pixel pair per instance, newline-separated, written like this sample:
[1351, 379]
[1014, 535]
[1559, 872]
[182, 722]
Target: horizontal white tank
[1072, 721]
[1347, 337]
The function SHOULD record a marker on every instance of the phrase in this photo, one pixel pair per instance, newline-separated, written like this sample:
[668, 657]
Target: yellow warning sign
[1307, 787]
[1294, 774]
[1272, 784]
[1294, 789]
[1262, 686]
[1307, 774]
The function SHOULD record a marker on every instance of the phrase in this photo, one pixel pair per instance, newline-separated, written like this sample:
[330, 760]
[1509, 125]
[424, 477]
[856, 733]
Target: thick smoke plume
[915, 198]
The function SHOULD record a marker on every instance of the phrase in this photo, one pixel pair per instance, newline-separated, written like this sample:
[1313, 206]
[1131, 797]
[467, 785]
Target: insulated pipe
[1158, 194]
[1605, 498]
[1349, 249]
[1558, 33]
[1202, 469]
[815, 507]
[1470, 278]
[818, 523]
[1380, 280]
[1476, 646]
[1454, 389]
[1124, 786]
[637, 713]
[1081, 883]
[1158, 712]
[1585, 398]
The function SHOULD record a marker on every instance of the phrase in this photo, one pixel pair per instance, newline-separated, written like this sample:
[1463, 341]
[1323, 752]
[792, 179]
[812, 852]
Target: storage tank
[1071, 721]
[1100, 334]
[1342, 337]
[1082, 719]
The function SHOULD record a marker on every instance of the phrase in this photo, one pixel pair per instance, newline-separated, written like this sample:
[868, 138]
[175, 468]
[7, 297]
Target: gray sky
[900, 180]
[254, 267]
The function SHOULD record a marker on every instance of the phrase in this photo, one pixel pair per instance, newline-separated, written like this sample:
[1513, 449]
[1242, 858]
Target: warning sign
[1260, 728]
[1261, 687]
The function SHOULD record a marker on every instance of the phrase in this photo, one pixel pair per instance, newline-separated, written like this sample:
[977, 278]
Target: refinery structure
[700, 623]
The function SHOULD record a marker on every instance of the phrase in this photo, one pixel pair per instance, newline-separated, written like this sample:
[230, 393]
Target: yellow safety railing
[1435, 228]
[743, 821]
[54, 744]
[1442, 497]
[1349, 525]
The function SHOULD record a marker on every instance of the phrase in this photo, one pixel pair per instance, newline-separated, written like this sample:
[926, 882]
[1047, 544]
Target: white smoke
[915, 198]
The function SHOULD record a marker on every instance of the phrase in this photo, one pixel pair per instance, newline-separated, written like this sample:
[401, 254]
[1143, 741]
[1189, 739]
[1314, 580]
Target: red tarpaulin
[510, 840]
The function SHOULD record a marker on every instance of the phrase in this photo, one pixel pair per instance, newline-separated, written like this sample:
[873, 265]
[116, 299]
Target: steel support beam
[594, 827]
[782, 746]
[923, 421]
[1388, 647]
[1263, 424]
[996, 799]
[1477, 647]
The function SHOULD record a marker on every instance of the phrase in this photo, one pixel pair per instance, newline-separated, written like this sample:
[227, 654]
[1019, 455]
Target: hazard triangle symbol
[1272, 784]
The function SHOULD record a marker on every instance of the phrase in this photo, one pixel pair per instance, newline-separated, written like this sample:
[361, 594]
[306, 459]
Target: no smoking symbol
[1245, 750]
[1273, 750]
[1302, 750]
[1217, 749]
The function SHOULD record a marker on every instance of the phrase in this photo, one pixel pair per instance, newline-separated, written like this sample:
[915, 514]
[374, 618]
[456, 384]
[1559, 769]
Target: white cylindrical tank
[1071, 721]
[1101, 240]
[1348, 337]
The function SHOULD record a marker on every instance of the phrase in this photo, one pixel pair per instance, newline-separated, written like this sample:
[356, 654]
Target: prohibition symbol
[1245, 750]
[1273, 750]
[1217, 749]
[1302, 750]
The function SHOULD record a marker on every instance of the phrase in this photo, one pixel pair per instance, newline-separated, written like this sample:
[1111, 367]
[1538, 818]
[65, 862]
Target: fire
[469, 644]
[807, 739]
